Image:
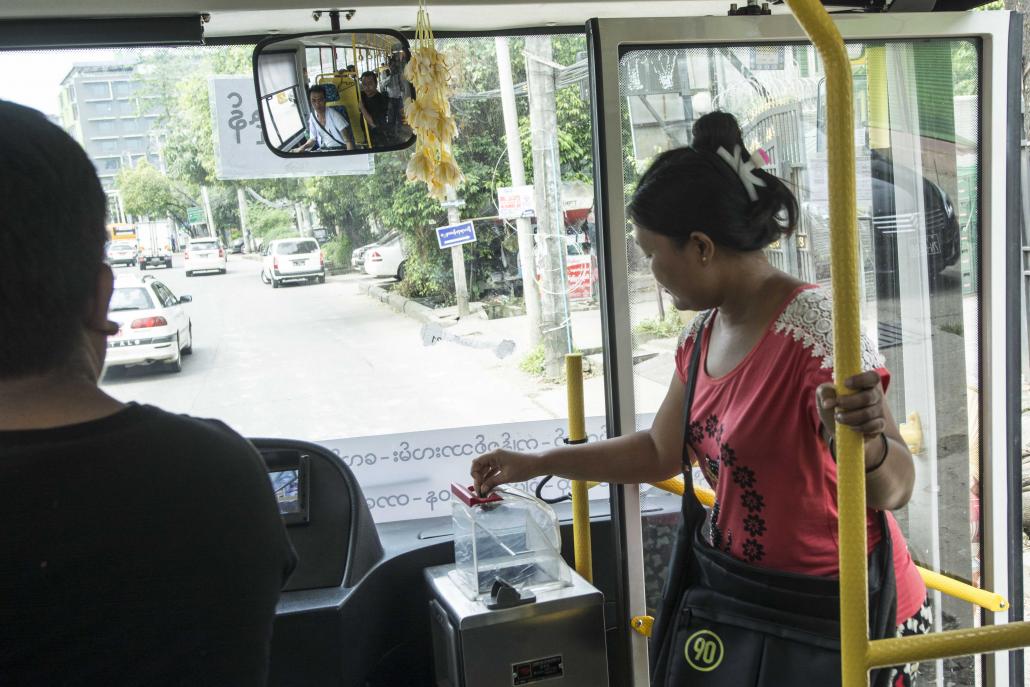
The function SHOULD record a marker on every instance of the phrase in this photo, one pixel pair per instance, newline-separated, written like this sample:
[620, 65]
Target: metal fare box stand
[557, 639]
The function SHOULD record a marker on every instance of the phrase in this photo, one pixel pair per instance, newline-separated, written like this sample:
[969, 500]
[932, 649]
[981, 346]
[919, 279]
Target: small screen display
[286, 485]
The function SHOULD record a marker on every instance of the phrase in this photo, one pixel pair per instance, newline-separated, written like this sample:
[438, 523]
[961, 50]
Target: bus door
[936, 127]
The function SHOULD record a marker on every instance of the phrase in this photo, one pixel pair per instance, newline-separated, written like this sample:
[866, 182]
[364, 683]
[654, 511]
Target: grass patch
[533, 362]
[658, 328]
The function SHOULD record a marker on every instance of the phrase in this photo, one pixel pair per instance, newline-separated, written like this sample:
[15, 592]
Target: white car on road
[204, 255]
[386, 259]
[288, 259]
[121, 253]
[153, 326]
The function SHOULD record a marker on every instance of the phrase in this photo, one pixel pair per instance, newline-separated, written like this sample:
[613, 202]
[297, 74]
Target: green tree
[146, 192]
[270, 223]
[175, 82]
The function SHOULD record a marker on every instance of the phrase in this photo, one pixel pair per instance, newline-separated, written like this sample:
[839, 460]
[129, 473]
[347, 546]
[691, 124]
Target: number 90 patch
[703, 651]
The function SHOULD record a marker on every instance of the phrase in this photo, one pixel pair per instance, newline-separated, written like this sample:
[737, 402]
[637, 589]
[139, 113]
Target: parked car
[204, 255]
[121, 253]
[357, 257]
[387, 258]
[291, 259]
[237, 246]
[153, 325]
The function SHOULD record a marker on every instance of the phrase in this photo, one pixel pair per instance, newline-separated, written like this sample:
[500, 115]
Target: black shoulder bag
[725, 623]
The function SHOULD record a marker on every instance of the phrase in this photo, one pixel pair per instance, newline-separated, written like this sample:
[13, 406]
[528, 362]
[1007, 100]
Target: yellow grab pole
[578, 434]
[851, 499]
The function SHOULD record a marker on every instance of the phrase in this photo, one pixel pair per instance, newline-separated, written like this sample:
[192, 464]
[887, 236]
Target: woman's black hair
[320, 88]
[694, 189]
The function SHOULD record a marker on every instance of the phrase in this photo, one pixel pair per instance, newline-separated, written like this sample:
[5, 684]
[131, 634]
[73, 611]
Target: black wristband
[886, 452]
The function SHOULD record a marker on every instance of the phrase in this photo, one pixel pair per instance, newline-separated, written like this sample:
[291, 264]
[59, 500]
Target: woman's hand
[501, 466]
[890, 470]
[863, 410]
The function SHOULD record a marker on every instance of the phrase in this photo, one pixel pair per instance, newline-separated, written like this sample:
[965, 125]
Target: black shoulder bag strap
[681, 563]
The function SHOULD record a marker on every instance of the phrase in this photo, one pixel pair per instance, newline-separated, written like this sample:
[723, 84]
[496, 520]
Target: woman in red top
[764, 406]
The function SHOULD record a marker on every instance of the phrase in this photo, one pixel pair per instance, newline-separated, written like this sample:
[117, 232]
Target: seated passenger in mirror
[327, 126]
[374, 108]
[139, 546]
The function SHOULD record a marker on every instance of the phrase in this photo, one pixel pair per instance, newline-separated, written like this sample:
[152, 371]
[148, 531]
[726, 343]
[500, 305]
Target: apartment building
[103, 107]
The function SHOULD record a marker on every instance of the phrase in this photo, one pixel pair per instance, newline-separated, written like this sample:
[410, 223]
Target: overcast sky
[34, 78]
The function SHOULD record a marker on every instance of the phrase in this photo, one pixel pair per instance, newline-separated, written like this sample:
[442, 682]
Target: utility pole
[523, 225]
[207, 210]
[299, 216]
[543, 123]
[461, 289]
[241, 199]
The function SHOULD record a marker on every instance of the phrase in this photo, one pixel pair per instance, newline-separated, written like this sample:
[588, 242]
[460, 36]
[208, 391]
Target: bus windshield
[328, 362]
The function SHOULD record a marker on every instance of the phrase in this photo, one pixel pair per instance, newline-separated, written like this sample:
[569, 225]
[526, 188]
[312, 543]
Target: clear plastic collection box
[508, 536]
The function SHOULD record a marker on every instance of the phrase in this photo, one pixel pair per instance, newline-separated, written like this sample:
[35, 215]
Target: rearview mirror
[185, 299]
[337, 93]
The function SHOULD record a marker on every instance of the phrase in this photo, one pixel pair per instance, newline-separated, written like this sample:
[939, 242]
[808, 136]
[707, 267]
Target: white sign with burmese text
[241, 152]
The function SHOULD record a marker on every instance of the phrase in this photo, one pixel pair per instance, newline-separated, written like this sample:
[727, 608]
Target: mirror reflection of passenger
[374, 107]
[393, 86]
[327, 128]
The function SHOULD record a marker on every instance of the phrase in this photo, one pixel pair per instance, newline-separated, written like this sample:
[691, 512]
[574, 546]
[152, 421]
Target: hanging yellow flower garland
[429, 113]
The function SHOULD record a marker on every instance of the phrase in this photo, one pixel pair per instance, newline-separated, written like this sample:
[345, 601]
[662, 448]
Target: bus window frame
[607, 41]
[271, 116]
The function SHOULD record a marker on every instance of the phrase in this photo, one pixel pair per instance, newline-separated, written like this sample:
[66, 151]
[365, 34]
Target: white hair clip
[745, 170]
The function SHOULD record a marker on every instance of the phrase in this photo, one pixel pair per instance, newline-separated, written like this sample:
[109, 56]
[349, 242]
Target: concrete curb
[403, 305]
[433, 327]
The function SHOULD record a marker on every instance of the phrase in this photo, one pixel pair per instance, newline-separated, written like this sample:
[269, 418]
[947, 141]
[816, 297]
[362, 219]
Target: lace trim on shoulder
[809, 320]
[691, 330]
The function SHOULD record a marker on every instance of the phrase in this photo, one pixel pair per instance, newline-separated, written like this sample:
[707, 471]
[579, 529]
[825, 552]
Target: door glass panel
[917, 153]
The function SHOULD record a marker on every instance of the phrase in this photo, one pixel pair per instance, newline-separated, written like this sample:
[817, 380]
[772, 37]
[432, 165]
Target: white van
[204, 255]
[287, 259]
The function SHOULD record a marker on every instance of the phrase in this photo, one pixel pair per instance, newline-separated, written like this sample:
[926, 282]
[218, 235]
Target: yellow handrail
[851, 499]
[858, 654]
[577, 434]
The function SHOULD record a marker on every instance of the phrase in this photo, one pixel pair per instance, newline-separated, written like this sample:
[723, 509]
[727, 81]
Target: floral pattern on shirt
[746, 482]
